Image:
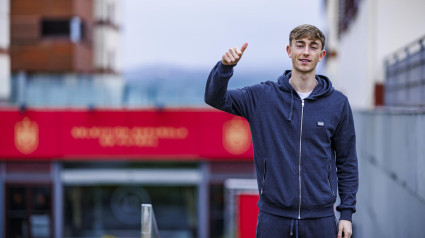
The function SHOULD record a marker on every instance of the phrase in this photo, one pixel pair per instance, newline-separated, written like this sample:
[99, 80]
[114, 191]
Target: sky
[196, 33]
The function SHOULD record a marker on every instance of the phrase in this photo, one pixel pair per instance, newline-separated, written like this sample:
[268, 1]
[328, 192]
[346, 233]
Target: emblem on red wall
[236, 136]
[26, 136]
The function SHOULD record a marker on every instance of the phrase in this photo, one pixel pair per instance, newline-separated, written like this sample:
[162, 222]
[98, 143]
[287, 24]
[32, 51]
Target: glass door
[28, 211]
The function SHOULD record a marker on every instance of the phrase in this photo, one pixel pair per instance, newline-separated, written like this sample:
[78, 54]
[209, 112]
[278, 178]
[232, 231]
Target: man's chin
[305, 70]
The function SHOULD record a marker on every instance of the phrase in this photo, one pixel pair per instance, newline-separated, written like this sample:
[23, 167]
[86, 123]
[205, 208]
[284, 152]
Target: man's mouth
[305, 60]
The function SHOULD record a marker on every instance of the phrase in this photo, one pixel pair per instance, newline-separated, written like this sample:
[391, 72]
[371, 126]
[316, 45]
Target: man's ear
[322, 54]
[288, 50]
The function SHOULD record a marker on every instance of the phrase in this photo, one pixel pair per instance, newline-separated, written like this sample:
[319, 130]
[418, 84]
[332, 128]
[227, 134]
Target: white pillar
[4, 49]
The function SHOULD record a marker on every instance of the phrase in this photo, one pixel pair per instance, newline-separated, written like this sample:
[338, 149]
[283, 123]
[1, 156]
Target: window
[29, 210]
[114, 210]
[72, 28]
[56, 27]
[347, 12]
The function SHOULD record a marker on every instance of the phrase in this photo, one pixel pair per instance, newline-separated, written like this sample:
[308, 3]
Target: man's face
[305, 54]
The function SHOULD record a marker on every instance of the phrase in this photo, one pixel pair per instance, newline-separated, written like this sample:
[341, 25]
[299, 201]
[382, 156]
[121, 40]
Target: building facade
[361, 36]
[377, 58]
[65, 47]
[82, 173]
[69, 168]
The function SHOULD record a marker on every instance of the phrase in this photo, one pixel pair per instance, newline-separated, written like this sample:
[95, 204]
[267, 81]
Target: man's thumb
[244, 47]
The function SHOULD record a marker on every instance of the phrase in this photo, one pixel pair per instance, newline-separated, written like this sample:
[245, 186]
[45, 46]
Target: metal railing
[405, 76]
[149, 226]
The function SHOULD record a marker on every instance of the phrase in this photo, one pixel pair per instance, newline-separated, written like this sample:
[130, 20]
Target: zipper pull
[303, 103]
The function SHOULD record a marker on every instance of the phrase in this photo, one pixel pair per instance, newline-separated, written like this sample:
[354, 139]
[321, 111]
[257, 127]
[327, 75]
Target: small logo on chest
[320, 124]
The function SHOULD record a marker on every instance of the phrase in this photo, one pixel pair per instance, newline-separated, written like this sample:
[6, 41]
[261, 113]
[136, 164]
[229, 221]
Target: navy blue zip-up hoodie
[304, 150]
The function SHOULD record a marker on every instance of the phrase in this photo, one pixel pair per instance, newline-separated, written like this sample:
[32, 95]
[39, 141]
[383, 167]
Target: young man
[303, 138]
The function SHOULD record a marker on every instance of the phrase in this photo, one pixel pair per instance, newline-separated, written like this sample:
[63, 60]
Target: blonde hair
[307, 31]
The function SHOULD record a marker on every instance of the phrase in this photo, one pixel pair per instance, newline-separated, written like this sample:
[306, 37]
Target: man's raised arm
[237, 101]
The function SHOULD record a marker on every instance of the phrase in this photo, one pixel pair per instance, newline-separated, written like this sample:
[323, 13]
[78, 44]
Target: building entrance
[28, 212]
[100, 202]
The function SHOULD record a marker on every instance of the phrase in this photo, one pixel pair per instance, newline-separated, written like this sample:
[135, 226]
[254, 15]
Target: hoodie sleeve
[239, 102]
[344, 145]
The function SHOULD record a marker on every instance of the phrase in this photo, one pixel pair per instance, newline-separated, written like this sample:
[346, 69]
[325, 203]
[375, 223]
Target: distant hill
[167, 85]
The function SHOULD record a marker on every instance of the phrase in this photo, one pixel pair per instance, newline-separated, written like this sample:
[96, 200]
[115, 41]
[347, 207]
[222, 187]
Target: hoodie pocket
[329, 181]
[264, 176]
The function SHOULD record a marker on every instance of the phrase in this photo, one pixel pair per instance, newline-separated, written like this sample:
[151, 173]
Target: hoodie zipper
[299, 160]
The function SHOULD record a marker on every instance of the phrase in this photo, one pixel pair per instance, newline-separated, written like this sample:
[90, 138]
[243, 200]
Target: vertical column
[2, 199]
[4, 50]
[387, 83]
[203, 201]
[98, 221]
[408, 89]
[21, 89]
[396, 80]
[57, 200]
[422, 72]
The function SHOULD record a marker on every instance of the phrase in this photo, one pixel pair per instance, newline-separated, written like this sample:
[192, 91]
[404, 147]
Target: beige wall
[353, 60]
[107, 52]
[108, 10]
[4, 24]
[380, 28]
[397, 24]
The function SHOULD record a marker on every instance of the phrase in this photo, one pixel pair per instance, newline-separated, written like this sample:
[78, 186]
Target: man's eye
[314, 47]
[299, 46]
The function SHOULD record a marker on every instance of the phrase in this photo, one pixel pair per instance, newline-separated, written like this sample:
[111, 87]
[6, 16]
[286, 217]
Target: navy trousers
[272, 226]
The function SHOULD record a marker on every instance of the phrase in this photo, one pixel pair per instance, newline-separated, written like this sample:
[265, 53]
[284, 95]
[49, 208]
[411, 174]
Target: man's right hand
[233, 55]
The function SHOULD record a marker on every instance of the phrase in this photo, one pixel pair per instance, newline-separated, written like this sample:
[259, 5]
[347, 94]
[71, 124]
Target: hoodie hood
[322, 89]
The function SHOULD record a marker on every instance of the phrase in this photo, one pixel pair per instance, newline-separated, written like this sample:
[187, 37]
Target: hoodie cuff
[225, 69]
[346, 214]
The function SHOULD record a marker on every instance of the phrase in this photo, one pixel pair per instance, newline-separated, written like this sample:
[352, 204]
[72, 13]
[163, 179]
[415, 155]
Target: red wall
[247, 217]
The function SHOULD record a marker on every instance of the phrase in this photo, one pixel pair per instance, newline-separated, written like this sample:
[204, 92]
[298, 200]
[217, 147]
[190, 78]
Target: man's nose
[306, 50]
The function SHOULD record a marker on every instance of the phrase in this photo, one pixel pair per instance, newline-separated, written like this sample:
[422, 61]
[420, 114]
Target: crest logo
[236, 136]
[26, 136]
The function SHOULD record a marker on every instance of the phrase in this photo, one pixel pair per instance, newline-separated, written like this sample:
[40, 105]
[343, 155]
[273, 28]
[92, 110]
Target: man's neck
[303, 82]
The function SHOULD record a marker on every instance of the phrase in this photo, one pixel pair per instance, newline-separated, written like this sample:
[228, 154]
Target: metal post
[149, 229]
[387, 83]
[203, 202]
[57, 200]
[98, 223]
[2, 199]
[396, 88]
[407, 83]
[22, 83]
[146, 231]
[422, 74]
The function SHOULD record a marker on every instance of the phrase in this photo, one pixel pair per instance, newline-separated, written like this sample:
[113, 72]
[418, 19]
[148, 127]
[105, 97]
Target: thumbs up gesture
[233, 55]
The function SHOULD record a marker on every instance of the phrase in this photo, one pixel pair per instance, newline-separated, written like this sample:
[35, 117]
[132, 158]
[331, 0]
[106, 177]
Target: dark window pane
[216, 210]
[17, 198]
[41, 199]
[17, 213]
[18, 228]
[40, 218]
[57, 27]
